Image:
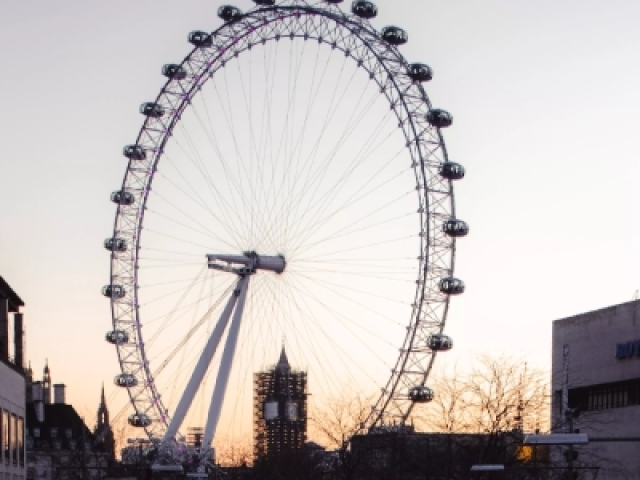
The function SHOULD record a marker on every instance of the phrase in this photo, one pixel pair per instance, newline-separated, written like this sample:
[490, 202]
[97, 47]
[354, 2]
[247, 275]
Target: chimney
[58, 393]
[18, 339]
[4, 330]
[36, 388]
[39, 405]
[37, 400]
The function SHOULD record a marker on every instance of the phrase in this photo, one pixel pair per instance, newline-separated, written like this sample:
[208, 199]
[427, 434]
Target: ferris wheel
[290, 184]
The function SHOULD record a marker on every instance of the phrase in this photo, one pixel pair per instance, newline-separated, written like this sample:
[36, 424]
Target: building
[280, 409]
[59, 444]
[596, 355]
[103, 434]
[400, 452]
[12, 386]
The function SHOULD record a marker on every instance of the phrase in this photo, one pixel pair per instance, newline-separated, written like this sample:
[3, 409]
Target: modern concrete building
[12, 386]
[597, 356]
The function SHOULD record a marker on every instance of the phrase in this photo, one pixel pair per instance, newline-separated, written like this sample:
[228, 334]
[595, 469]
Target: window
[13, 432]
[606, 396]
[5, 437]
[20, 441]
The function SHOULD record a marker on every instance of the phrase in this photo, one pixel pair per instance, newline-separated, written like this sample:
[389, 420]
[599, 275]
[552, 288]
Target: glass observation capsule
[364, 9]
[452, 171]
[421, 394]
[151, 109]
[139, 420]
[117, 337]
[134, 152]
[229, 13]
[439, 342]
[455, 228]
[451, 286]
[198, 38]
[113, 291]
[122, 197]
[439, 118]
[115, 244]
[125, 380]
[419, 72]
[173, 71]
[395, 35]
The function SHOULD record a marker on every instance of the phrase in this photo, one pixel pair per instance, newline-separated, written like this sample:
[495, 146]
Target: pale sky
[544, 97]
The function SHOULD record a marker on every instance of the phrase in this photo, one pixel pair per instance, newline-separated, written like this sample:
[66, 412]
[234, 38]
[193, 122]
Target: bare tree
[337, 419]
[234, 451]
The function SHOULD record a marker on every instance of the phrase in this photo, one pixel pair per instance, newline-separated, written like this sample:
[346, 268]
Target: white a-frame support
[244, 266]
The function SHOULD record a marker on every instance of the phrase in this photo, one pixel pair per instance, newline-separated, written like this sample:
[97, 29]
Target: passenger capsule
[439, 118]
[113, 291]
[452, 171]
[229, 13]
[199, 38]
[439, 342]
[117, 337]
[174, 72]
[364, 9]
[395, 36]
[115, 244]
[421, 394]
[419, 72]
[122, 197]
[455, 228]
[265, 3]
[125, 380]
[150, 109]
[451, 286]
[134, 152]
[139, 420]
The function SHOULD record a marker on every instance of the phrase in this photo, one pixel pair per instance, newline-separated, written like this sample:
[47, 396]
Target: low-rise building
[596, 373]
[12, 386]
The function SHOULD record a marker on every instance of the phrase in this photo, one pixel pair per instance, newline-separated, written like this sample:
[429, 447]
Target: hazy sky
[544, 96]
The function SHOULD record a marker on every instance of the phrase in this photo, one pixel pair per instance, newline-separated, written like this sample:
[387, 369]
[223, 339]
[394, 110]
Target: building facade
[60, 446]
[596, 375]
[280, 409]
[12, 386]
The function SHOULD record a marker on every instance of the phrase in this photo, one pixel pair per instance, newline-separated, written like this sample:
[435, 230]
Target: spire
[103, 413]
[283, 362]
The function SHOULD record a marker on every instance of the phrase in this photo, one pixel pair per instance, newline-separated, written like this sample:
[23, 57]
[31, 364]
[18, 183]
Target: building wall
[12, 404]
[604, 385]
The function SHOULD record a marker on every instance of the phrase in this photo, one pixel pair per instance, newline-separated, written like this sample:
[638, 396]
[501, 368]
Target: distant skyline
[544, 98]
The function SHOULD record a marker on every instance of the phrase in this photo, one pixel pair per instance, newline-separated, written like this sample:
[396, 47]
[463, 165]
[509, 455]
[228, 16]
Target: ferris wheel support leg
[225, 368]
[202, 366]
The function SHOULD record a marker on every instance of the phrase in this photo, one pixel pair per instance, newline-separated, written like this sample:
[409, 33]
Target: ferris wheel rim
[351, 24]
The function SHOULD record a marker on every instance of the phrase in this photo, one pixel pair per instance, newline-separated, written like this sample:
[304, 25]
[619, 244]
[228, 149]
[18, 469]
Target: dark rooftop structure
[7, 293]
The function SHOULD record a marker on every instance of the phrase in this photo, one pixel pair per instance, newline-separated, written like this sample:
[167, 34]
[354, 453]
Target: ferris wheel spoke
[341, 352]
[315, 175]
[347, 230]
[311, 330]
[330, 287]
[221, 202]
[314, 216]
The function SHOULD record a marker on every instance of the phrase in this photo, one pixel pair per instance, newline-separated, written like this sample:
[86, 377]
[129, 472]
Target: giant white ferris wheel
[289, 180]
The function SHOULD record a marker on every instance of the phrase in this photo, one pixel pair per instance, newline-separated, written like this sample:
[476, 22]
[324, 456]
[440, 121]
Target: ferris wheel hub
[247, 263]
